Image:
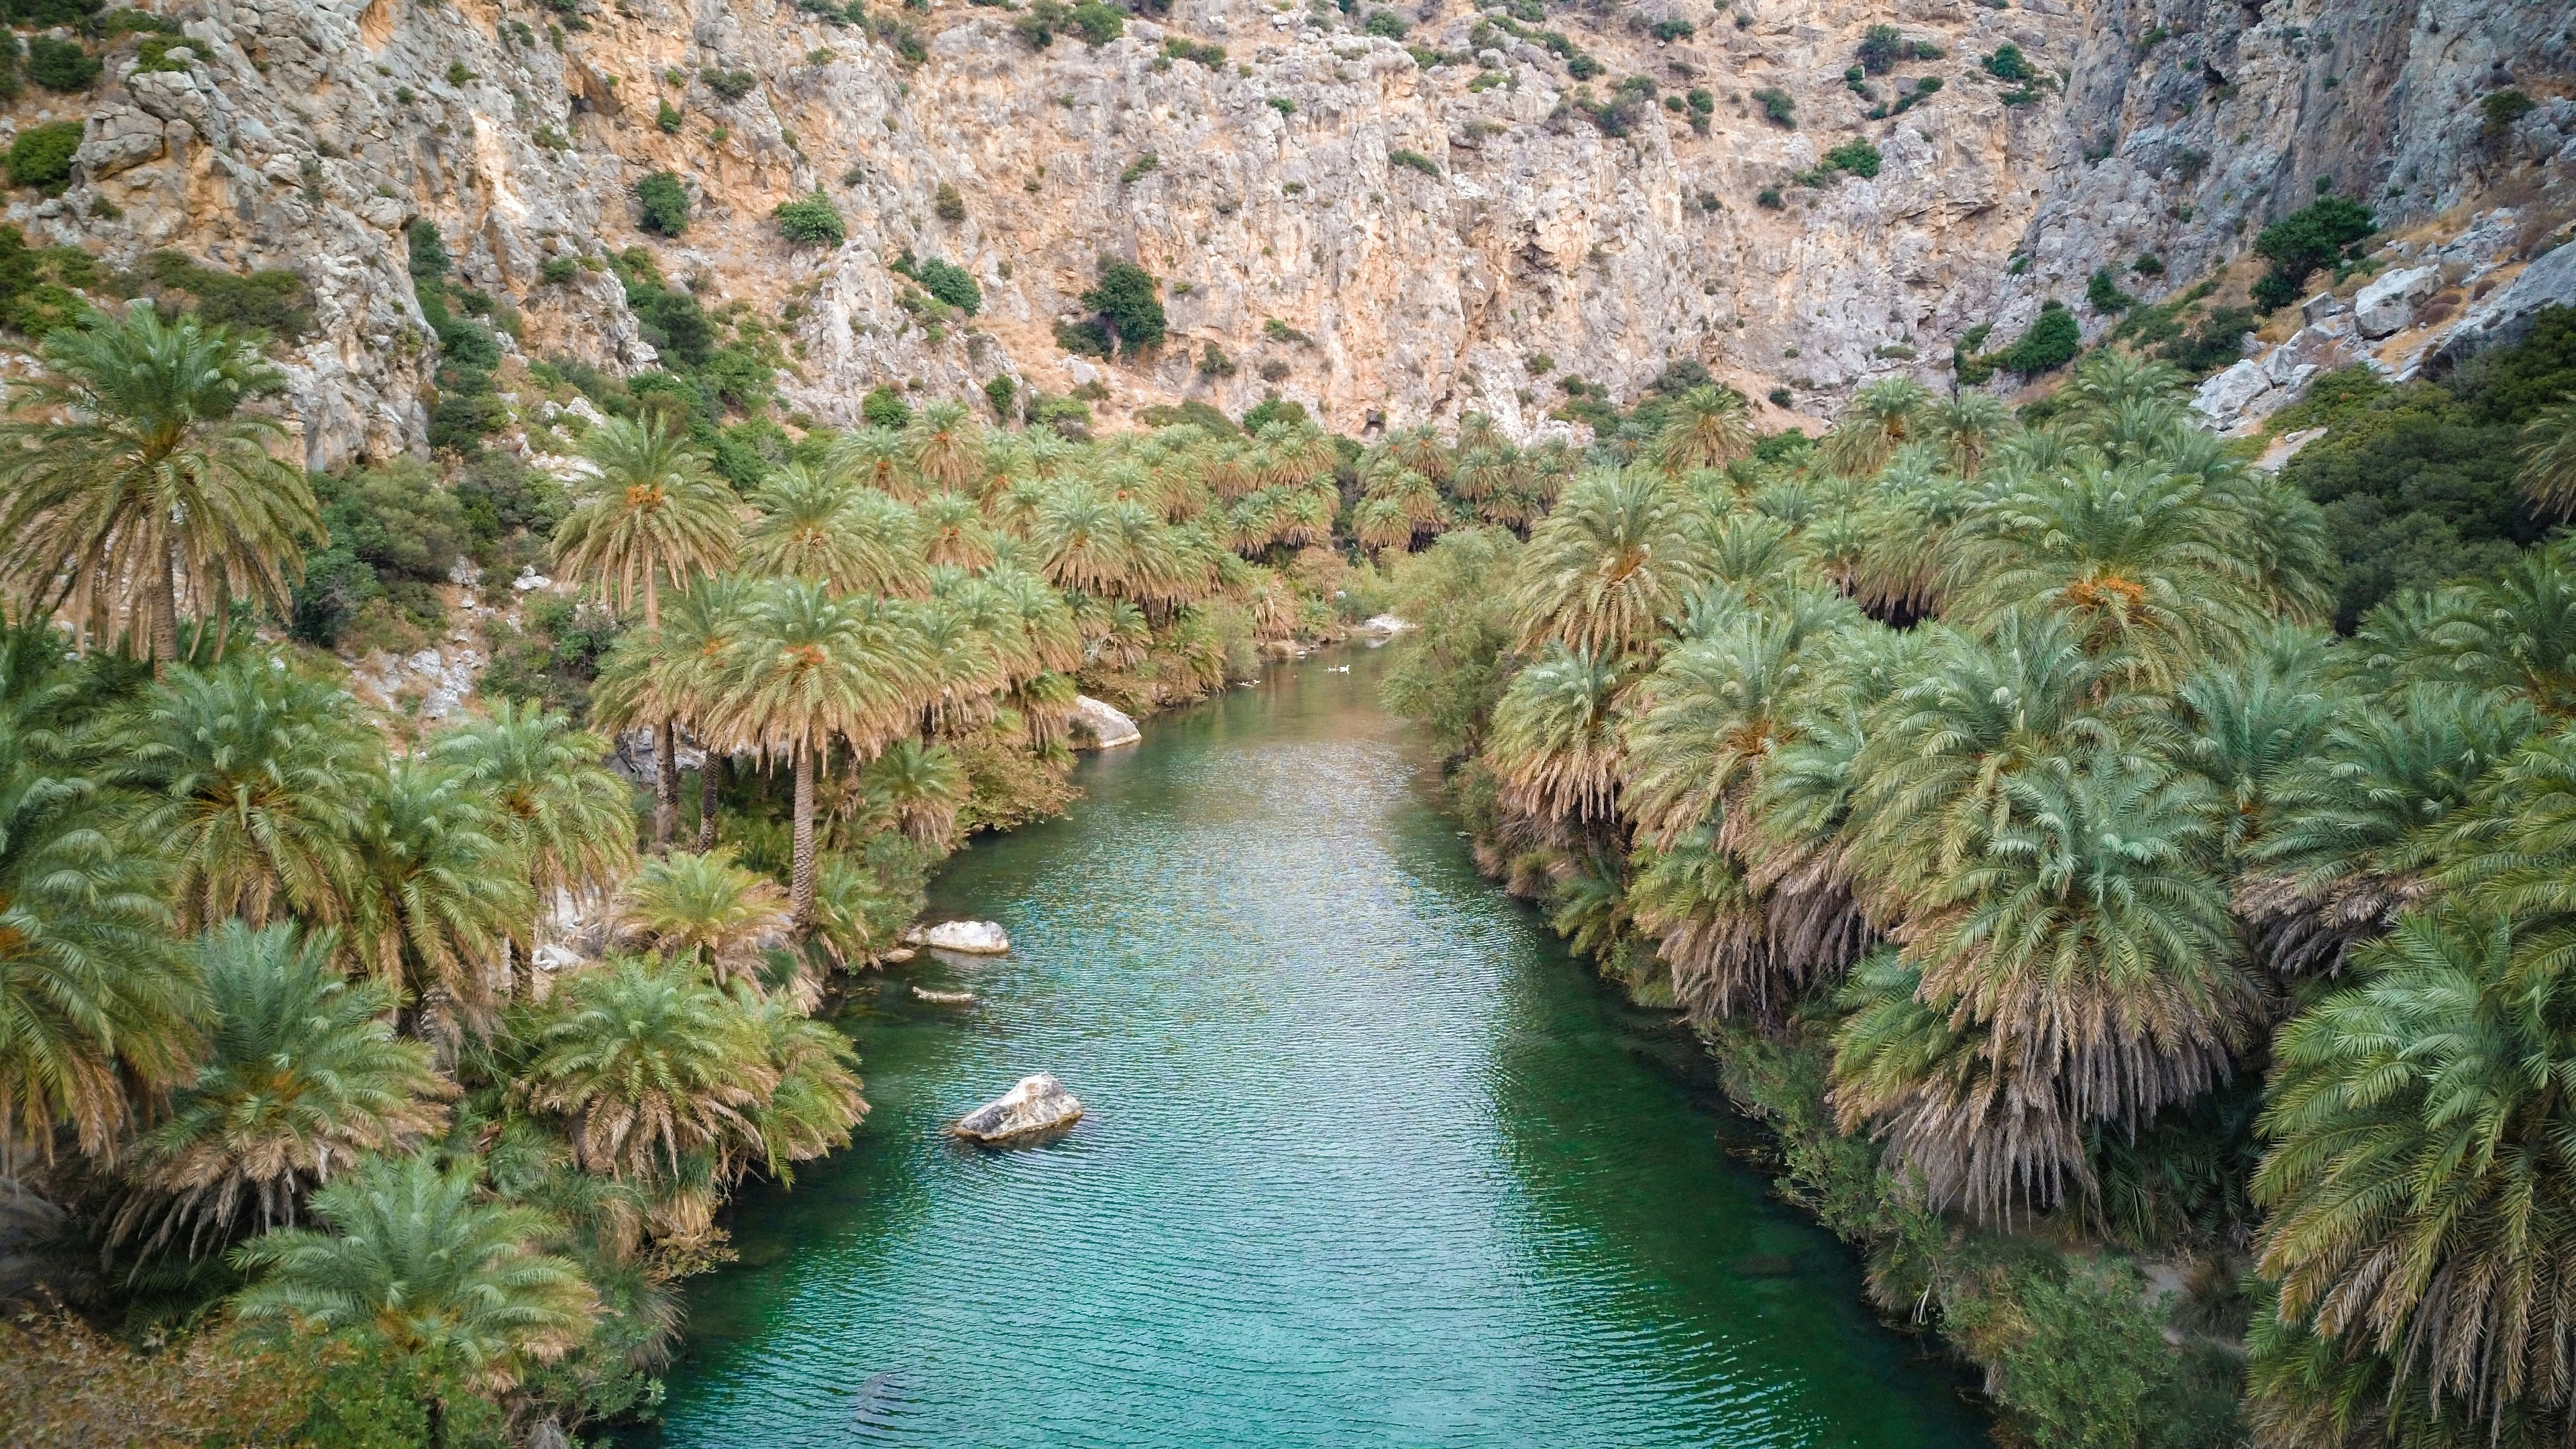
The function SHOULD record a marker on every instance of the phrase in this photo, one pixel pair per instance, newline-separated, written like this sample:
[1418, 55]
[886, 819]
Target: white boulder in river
[968, 938]
[1037, 1106]
[1100, 725]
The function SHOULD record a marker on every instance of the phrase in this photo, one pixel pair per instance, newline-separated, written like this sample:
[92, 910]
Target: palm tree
[2147, 575]
[2549, 459]
[1883, 415]
[816, 1100]
[1555, 740]
[415, 1259]
[303, 1077]
[2087, 948]
[806, 671]
[1615, 559]
[655, 516]
[154, 495]
[1967, 428]
[815, 524]
[924, 785]
[2420, 1175]
[704, 909]
[439, 891]
[557, 811]
[256, 777]
[97, 1004]
[2353, 831]
[650, 1066]
[947, 445]
[1706, 427]
[953, 532]
[878, 459]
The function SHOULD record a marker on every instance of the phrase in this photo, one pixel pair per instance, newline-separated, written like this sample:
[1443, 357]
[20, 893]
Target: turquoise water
[1369, 1160]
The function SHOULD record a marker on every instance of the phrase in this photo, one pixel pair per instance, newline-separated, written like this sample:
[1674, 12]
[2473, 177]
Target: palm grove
[271, 1023]
[2062, 889]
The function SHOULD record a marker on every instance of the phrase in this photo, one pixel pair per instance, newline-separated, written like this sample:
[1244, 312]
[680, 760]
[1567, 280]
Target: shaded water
[1369, 1160]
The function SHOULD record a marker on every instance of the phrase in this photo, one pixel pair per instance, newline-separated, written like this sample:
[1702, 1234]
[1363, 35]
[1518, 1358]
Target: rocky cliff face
[1384, 240]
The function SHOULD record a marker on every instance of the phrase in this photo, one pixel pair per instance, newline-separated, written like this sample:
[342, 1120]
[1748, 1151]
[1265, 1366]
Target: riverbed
[1369, 1159]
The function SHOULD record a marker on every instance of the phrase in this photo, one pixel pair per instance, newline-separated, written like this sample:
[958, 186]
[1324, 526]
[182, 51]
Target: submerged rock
[968, 938]
[943, 998]
[1099, 725]
[1039, 1106]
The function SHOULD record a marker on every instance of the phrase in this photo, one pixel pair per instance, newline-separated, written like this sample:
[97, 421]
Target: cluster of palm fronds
[2020, 757]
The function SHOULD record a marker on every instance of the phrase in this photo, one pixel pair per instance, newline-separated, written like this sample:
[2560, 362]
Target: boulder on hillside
[970, 938]
[1099, 725]
[2387, 303]
[1038, 1108]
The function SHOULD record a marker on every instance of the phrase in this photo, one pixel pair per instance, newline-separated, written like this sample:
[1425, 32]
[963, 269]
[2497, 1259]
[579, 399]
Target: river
[1369, 1159]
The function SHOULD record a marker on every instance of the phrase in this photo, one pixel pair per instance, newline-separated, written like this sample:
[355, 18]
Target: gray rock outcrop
[1098, 725]
[1037, 1109]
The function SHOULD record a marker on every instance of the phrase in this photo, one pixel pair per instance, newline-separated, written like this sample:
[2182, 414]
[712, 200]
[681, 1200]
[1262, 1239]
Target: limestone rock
[2387, 302]
[1039, 1107]
[1386, 624]
[967, 938]
[2230, 397]
[1098, 725]
[943, 998]
[2505, 316]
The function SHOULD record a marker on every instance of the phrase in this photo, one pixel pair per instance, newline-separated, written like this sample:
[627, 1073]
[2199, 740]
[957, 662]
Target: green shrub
[1880, 49]
[1098, 23]
[60, 65]
[559, 270]
[951, 284]
[2009, 64]
[2052, 342]
[41, 156]
[1672, 29]
[391, 532]
[45, 14]
[946, 204]
[275, 302]
[1769, 199]
[1413, 161]
[667, 117]
[1138, 169]
[425, 250]
[733, 85]
[812, 221]
[1273, 409]
[884, 407]
[2314, 236]
[1004, 395]
[2102, 293]
[2418, 482]
[1384, 23]
[1778, 106]
[1211, 56]
[1780, 397]
[1856, 156]
[665, 203]
[1124, 307]
[1041, 22]
[2500, 110]
[2148, 264]
[152, 53]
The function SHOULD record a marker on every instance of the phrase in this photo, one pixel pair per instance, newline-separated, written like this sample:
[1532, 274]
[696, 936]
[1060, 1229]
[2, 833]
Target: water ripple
[1369, 1162]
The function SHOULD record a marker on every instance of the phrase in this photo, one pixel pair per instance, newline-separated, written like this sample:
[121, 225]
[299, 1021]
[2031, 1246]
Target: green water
[1370, 1161]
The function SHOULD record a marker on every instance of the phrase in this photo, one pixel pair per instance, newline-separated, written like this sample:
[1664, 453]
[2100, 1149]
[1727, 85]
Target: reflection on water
[1369, 1161]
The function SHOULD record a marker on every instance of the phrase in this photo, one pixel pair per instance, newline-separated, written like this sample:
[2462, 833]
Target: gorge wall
[1385, 241]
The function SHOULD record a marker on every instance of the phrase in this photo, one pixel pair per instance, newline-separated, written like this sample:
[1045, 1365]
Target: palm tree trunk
[710, 779]
[165, 621]
[666, 784]
[800, 880]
